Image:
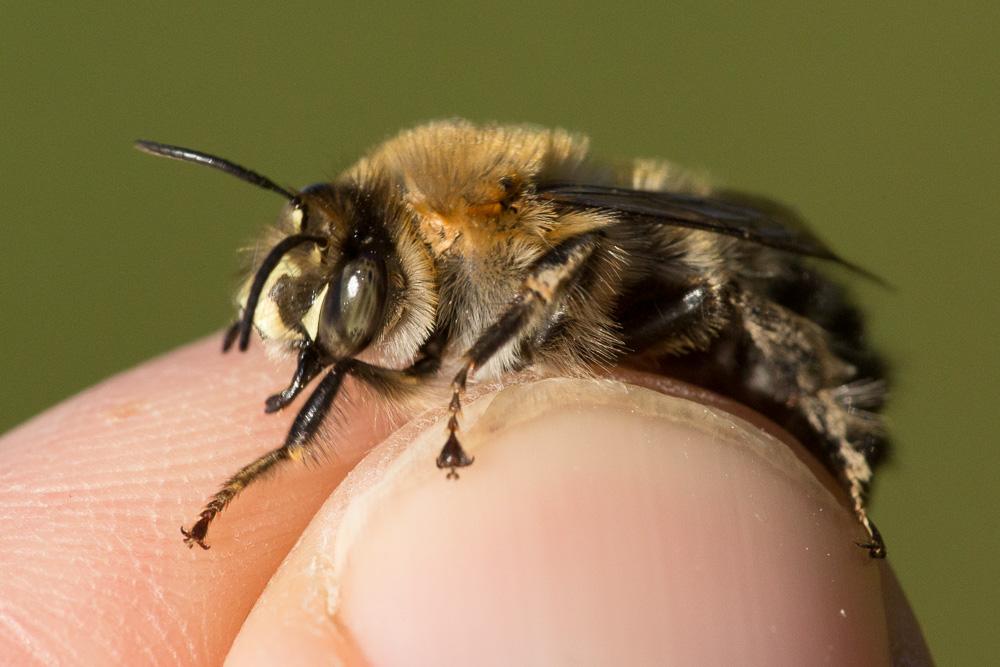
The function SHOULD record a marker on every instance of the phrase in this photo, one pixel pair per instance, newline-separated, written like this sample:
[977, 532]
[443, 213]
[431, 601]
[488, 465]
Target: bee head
[332, 275]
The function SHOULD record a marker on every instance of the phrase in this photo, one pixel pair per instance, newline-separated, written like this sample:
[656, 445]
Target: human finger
[600, 524]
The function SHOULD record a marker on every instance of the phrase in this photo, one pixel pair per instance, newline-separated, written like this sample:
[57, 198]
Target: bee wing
[735, 214]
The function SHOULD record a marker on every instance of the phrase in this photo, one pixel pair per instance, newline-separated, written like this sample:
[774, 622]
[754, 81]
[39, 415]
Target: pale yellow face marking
[310, 321]
[297, 217]
[267, 319]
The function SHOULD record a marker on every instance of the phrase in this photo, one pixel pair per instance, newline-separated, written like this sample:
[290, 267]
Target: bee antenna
[266, 267]
[222, 164]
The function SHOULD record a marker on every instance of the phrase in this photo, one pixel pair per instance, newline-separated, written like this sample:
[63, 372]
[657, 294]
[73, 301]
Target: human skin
[602, 523]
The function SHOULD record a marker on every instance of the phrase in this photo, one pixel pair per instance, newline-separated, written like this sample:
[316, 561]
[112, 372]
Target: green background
[880, 125]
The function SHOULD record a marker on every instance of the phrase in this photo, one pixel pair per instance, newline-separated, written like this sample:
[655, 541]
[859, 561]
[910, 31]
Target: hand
[599, 525]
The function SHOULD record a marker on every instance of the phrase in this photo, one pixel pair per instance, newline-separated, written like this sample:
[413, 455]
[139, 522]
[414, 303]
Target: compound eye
[354, 306]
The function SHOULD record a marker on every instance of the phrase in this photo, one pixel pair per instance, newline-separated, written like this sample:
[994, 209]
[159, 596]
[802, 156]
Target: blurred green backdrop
[880, 125]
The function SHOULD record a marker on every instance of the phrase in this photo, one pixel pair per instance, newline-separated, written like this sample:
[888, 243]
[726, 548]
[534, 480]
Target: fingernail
[600, 524]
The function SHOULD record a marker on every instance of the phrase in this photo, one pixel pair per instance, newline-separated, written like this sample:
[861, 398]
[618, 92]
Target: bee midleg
[303, 431]
[547, 279]
[798, 368]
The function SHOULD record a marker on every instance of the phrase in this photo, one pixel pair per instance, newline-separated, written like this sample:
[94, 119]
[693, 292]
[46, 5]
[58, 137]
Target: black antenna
[222, 164]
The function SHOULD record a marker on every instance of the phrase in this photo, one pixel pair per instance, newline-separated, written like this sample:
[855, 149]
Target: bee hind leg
[843, 427]
[793, 364]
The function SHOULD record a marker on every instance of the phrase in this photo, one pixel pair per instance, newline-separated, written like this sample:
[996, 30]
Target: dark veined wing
[734, 214]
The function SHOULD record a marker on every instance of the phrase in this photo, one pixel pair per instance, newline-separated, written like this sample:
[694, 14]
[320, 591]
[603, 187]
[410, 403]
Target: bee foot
[875, 545]
[875, 549]
[198, 531]
[276, 402]
[453, 456]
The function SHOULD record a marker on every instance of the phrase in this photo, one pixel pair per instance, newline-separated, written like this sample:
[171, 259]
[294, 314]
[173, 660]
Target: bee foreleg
[300, 436]
[547, 279]
[308, 420]
[309, 366]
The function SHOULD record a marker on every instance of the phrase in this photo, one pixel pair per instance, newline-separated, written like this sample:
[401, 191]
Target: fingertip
[613, 524]
[94, 489]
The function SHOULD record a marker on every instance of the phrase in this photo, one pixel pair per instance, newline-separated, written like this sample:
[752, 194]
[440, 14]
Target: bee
[464, 249]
